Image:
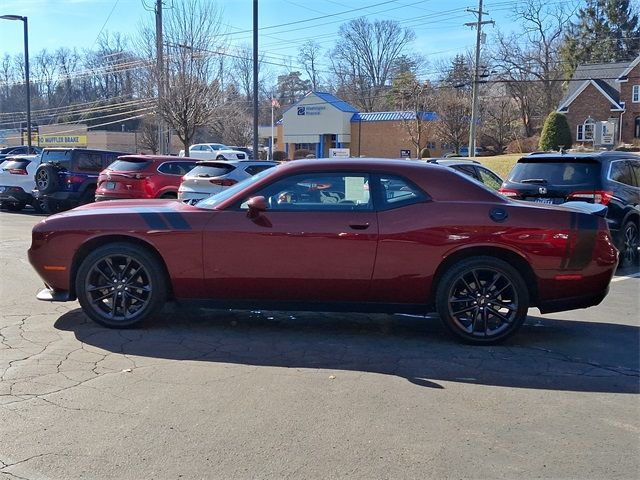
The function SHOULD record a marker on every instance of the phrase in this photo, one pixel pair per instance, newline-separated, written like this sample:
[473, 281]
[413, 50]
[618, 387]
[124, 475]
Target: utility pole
[160, 74]
[476, 75]
[255, 79]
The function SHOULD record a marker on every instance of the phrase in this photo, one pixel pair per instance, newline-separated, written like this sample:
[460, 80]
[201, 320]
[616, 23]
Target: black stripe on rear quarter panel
[177, 221]
[585, 243]
[154, 220]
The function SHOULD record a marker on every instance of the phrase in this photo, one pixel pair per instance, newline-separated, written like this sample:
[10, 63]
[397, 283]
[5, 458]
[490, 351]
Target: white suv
[214, 151]
[210, 177]
[17, 181]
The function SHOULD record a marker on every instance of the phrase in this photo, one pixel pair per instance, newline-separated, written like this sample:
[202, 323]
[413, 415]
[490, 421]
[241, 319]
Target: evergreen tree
[555, 133]
[459, 74]
[606, 31]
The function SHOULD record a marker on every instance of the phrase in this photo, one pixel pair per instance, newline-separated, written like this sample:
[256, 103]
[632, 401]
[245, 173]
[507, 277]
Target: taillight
[596, 196]
[18, 171]
[75, 179]
[508, 192]
[223, 182]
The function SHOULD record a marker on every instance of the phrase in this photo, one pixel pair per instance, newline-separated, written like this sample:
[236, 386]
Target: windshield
[215, 200]
[571, 172]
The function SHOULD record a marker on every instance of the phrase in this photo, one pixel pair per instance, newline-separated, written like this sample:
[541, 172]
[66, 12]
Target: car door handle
[359, 226]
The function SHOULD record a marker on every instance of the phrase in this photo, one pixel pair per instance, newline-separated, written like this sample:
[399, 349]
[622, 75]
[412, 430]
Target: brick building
[320, 122]
[602, 104]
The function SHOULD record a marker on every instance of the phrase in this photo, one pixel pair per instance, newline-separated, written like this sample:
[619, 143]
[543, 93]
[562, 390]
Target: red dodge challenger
[333, 235]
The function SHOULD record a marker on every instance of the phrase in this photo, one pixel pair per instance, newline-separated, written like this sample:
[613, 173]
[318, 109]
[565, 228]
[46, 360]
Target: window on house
[635, 94]
[431, 145]
[636, 128]
[585, 131]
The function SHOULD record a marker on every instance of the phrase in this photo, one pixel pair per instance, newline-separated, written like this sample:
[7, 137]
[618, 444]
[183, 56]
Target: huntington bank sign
[309, 110]
[63, 140]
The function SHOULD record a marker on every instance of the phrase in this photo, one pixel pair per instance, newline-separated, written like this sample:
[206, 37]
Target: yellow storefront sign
[63, 140]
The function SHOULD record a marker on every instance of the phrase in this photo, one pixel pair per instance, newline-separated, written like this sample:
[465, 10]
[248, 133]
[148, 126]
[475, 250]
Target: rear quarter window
[620, 172]
[89, 162]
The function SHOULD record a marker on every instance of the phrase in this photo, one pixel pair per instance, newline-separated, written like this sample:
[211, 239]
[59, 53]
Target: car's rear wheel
[482, 300]
[120, 285]
[39, 205]
[169, 195]
[629, 244]
[220, 157]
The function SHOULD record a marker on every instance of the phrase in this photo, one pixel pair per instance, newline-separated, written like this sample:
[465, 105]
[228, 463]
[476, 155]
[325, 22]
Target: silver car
[210, 177]
[214, 151]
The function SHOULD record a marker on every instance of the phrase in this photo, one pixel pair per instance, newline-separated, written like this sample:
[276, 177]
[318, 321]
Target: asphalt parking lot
[229, 394]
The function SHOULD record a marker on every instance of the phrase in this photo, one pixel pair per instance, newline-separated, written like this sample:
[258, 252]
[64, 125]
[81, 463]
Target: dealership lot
[220, 394]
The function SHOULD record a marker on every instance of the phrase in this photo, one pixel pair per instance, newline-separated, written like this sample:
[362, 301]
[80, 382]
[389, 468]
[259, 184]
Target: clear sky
[77, 23]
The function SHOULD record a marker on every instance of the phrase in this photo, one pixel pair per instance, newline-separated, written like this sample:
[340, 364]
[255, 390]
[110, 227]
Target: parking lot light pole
[26, 70]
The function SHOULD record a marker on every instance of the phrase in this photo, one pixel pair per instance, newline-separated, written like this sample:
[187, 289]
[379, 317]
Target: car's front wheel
[629, 244]
[120, 285]
[482, 300]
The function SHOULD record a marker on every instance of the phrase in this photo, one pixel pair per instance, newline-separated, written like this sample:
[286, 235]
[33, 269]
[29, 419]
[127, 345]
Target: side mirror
[256, 206]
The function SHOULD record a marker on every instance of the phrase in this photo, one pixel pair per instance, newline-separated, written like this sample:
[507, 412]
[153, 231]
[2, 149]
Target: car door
[315, 242]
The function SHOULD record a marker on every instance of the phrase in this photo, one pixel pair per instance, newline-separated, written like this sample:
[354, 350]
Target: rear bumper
[101, 197]
[572, 303]
[16, 196]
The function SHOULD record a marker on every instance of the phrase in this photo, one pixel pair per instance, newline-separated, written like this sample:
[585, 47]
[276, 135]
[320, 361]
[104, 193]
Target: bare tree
[500, 120]
[193, 29]
[364, 58]
[309, 56]
[415, 98]
[454, 110]
[148, 134]
[529, 60]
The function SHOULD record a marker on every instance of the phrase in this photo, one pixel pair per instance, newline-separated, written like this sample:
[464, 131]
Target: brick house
[602, 104]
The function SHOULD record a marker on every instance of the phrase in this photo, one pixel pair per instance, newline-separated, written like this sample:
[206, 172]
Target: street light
[26, 71]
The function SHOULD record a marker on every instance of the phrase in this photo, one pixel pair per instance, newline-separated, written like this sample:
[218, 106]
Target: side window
[254, 169]
[398, 192]
[621, 172]
[196, 148]
[489, 178]
[89, 162]
[176, 168]
[323, 191]
[467, 170]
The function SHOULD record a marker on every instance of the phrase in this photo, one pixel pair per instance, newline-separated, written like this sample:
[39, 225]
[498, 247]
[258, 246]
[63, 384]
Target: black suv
[68, 177]
[608, 178]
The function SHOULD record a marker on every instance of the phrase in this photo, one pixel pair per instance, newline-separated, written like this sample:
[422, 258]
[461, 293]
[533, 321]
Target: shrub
[279, 156]
[302, 153]
[425, 153]
[555, 133]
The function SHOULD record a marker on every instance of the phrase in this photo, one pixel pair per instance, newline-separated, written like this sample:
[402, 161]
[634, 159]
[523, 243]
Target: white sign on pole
[339, 153]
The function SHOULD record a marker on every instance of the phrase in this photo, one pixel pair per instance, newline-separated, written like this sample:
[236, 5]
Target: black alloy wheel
[482, 300]
[120, 285]
[630, 242]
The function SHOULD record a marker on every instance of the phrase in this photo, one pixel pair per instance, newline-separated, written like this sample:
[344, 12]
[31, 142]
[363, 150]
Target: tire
[120, 285]
[47, 178]
[89, 196]
[51, 206]
[169, 195]
[15, 207]
[220, 157]
[629, 241]
[468, 292]
[39, 205]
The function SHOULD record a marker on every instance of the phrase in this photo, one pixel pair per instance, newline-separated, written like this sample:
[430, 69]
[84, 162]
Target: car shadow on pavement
[546, 353]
